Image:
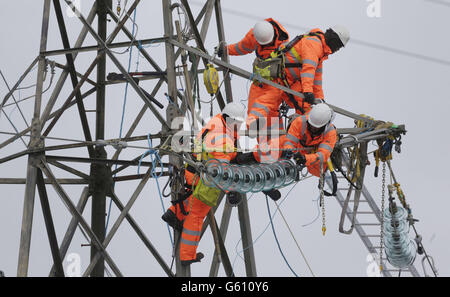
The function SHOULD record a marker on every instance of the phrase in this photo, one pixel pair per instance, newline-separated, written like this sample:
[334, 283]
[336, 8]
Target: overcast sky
[395, 68]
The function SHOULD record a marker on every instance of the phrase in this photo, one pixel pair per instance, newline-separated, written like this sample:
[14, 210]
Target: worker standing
[310, 51]
[218, 140]
[263, 39]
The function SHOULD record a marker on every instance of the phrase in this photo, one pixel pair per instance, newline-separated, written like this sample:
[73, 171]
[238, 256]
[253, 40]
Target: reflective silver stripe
[257, 113]
[319, 70]
[258, 105]
[219, 137]
[294, 116]
[236, 47]
[317, 82]
[276, 125]
[309, 75]
[303, 131]
[310, 62]
[291, 55]
[189, 242]
[293, 138]
[293, 74]
[328, 129]
[192, 232]
[261, 118]
[247, 49]
[321, 158]
[326, 146]
[315, 39]
[289, 143]
[292, 69]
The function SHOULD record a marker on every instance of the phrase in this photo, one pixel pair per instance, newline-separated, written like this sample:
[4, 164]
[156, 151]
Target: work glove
[234, 198]
[309, 98]
[220, 50]
[299, 159]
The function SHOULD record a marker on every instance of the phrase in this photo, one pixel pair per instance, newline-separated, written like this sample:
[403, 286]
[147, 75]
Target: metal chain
[322, 202]
[119, 8]
[383, 192]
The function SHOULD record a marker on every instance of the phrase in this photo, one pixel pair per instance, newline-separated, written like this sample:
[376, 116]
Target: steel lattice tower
[99, 182]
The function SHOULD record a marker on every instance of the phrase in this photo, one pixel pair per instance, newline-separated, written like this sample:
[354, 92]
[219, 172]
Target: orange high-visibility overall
[260, 106]
[219, 140]
[310, 51]
[299, 138]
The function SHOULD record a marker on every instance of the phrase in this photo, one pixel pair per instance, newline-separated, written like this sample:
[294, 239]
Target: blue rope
[156, 160]
[123, 112]
[276, 238]
[265, 229]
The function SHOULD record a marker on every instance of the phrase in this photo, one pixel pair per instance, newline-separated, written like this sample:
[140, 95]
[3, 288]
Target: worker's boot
[273, 194]
[170, 218]
[198, 258]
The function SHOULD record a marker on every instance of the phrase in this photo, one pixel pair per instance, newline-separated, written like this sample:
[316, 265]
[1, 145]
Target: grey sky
[384, 84]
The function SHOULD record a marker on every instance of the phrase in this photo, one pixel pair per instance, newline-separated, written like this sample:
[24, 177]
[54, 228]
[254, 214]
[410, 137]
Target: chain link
[383, 192]
[119, 8]
[322, 202]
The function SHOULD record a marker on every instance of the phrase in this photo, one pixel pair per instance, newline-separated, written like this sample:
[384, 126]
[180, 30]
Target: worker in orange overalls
[219, 139]
[310, 140]
[264, 38]
[304, 67]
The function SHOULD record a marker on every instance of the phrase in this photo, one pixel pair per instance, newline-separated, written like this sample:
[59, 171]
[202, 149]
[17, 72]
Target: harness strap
[293, 65]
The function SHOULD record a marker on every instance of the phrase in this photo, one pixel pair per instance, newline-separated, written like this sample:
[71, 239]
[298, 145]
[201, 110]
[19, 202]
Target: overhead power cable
[352, 40]
[445, 3]
[14, 98]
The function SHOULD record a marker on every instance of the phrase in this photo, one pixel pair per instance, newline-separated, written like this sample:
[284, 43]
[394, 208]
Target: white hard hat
[263, 32]
[235, 110]
[320, 115]
[342, 32]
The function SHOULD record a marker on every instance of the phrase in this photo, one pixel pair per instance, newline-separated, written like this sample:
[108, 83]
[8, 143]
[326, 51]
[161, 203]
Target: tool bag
[270, 68]
[274, 66]
[207, 195]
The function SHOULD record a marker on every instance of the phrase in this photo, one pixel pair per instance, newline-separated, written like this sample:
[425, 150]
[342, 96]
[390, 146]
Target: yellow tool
[211, 79]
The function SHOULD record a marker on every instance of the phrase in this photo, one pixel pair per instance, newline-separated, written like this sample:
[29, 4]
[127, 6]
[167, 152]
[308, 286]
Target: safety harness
[187, 188]
[274, 67]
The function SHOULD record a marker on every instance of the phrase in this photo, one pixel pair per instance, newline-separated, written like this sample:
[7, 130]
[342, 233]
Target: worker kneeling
[310, 140]
[218, 140]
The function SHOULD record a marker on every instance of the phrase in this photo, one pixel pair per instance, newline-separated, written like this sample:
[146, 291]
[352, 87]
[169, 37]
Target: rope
[265, 229]
[276, 238]
[293, 237]
[156, 160]
[123, 113]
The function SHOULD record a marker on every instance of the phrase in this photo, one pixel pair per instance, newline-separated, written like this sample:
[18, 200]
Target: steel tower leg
[30, 190]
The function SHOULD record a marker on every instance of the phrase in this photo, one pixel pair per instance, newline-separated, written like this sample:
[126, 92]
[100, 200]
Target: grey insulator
[400, 249]
[249, 178]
